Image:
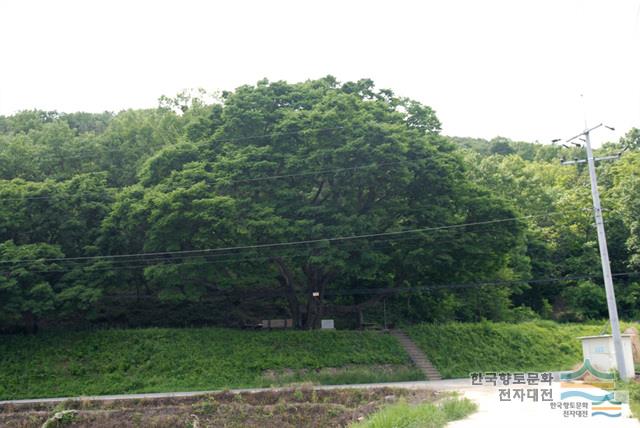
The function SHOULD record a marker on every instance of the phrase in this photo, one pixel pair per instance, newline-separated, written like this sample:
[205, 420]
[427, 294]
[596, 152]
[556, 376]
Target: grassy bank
[157, 360]
[457, 349]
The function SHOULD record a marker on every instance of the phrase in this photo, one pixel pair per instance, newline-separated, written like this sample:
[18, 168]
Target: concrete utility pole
[602, 242]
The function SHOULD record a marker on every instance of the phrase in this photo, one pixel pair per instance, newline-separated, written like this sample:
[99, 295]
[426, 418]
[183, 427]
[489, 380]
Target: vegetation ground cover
[428, 415]
[157, 360]
[288, 408]
[458, 349]
[632, 387]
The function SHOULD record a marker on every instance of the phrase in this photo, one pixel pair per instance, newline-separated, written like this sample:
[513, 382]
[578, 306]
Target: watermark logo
[595, 389]
[517, 386]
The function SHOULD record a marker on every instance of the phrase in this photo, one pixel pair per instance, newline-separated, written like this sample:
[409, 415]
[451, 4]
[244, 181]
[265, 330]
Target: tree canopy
[302, 201]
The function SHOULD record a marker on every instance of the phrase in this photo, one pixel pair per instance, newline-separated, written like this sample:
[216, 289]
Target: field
[287, 408]
[158, 360]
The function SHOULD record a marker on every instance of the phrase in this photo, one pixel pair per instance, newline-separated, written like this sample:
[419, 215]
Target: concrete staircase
[417, 356]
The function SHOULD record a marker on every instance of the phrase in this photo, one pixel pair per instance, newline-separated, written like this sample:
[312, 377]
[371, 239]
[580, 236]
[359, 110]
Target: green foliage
[156, 360]
[350, 159]
[634, 396]
[61, 419]
[457, 349]
[352, 374]
[631, 140]
[563, 243]
[162, 164]
[587, 301]
[27, 291]
[208, 194]
[424, 415]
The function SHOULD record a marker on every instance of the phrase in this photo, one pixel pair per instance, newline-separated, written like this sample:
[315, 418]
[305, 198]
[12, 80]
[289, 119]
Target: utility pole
[602, 242]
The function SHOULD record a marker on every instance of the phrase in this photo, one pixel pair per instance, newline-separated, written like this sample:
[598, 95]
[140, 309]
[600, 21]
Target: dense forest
[306, 201]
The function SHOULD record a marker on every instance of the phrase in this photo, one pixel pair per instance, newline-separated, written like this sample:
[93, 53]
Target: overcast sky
[510, 68]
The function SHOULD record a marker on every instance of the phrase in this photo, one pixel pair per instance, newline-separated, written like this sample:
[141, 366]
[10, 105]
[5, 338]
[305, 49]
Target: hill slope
[157, 360]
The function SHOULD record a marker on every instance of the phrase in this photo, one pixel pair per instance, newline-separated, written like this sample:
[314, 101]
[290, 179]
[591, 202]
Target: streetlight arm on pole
[571, 162]
[585, 132]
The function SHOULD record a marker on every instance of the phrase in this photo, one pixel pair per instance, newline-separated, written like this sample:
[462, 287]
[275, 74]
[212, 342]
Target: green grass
[425, 415]
[351, 374]
[157, 360]
[634, 399]
[633, 387]
[458, 349]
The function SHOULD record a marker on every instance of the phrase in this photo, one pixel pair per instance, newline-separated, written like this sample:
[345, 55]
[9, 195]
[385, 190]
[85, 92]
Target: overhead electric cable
[245, 180]
[283, 244]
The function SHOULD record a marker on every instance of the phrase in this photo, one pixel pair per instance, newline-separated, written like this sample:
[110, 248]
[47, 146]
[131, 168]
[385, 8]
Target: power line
[148, 261]
[228, 140]
[170, 263]
[251, 180]
[217, 258]
[455, 286]
[214, 141]
[110, 191]
[392, 290]
[27, 198]
[281, 244]
[328, 171]
[278, 244]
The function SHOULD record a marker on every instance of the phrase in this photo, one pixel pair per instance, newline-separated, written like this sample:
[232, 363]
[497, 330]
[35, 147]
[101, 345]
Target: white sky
[488, 68]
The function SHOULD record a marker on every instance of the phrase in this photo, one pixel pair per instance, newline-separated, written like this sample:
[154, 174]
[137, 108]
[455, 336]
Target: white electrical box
[602, 354]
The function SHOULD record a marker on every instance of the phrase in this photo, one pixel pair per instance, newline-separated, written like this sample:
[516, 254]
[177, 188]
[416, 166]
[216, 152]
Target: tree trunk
[357, 308]
[30, 322]
[316, 283]
[287, 283]
[312, 304]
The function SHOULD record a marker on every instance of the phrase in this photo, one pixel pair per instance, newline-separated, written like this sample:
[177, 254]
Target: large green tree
[308, 163]
[248, 203]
